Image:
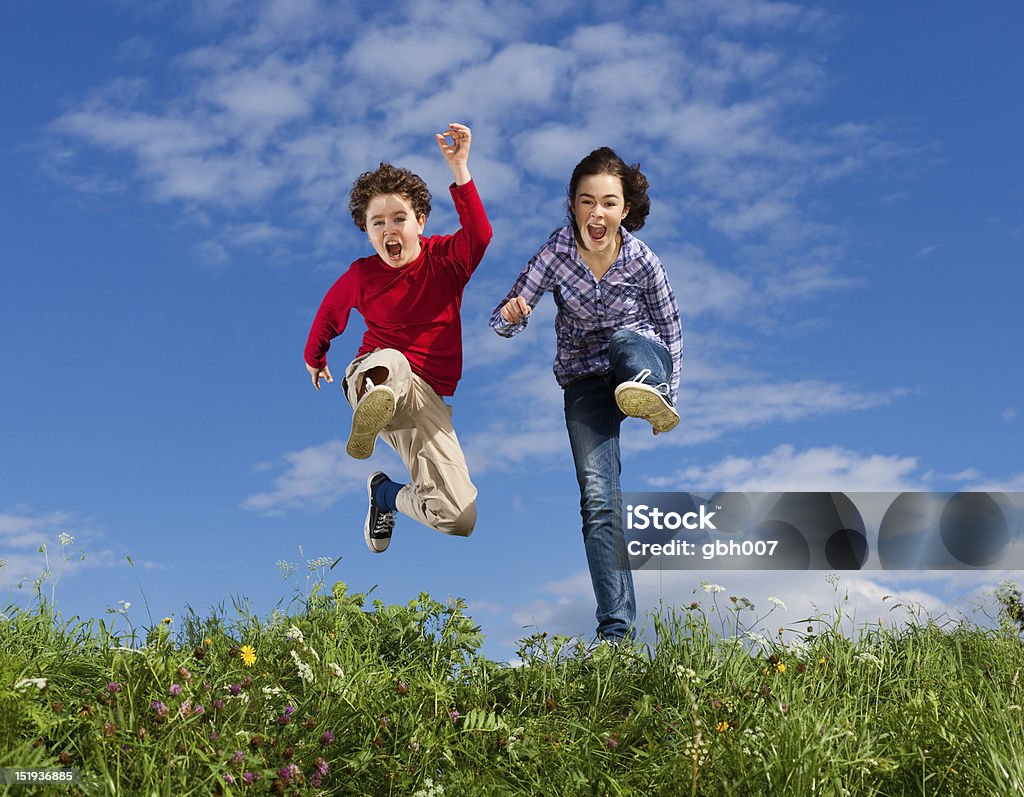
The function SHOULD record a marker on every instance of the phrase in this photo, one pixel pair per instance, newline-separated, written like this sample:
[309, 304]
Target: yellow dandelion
[781, 666]
[167, 621]
[207, 642]
[722, 727]
[248, 655]
[821, 662]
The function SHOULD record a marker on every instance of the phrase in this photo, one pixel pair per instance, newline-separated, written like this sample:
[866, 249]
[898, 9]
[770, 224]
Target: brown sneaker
[373, 412]
[637, 399]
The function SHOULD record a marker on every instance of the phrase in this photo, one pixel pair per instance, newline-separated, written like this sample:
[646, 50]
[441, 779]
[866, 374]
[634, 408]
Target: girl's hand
[516, 310]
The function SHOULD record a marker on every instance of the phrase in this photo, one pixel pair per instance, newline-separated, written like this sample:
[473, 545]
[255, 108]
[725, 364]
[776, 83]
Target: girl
[619, 352]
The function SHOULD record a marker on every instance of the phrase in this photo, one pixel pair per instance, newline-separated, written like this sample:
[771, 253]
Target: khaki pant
[440, 494]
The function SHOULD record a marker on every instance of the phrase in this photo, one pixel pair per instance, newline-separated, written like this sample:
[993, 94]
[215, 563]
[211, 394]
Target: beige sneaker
[640, 400]
[373, 412]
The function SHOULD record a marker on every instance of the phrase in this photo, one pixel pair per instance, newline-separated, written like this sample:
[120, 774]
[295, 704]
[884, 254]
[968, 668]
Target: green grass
[397, 699]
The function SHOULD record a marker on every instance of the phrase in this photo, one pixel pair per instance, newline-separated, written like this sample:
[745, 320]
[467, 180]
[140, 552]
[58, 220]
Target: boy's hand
[457, 152]
[516, 310]
[316, 373]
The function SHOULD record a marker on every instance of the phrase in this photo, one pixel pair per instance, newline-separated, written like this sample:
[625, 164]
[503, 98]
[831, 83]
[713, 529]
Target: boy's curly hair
[387, 179]
[634, 184]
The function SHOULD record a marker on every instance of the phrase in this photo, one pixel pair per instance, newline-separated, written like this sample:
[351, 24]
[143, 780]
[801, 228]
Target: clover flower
[174, 690]
[113, 687]
[326, 738]
[159, 708]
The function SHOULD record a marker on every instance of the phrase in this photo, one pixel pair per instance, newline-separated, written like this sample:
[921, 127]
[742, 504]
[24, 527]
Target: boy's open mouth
[394, 250]
[596, 231]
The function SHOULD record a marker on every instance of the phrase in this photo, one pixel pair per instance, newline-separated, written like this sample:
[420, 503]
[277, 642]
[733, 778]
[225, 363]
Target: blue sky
[836, 196]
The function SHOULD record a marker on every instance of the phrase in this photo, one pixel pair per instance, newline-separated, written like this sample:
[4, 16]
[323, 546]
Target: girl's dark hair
[387, 179]
[634, 184]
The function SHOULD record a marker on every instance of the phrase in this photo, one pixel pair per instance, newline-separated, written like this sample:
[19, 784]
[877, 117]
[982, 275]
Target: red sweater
[414, 309]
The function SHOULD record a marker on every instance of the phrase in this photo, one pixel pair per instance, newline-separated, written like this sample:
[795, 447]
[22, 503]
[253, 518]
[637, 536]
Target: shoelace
[384, 525]
[641, 377]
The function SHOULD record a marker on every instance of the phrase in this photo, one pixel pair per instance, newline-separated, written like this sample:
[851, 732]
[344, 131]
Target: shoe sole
[370, 542]
[372, 414]
[646, 403]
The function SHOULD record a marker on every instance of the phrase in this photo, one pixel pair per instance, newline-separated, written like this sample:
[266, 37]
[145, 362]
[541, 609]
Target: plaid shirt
[634, 294]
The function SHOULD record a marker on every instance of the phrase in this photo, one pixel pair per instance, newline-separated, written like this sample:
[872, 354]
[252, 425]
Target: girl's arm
[512, 313]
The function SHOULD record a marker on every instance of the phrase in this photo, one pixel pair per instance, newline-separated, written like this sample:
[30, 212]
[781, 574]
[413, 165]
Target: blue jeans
[593, 420]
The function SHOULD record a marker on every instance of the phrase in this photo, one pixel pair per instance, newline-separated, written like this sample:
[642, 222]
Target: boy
[409, 293]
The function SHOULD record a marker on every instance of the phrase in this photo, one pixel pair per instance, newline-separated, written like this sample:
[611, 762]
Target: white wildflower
[871, 658]
[38, 683]
[776, 602]
[711, 588]
[66, 539]
[686, 674]
[338, 672]
[316, 564]
[294, 634]
[430, 789]
[758, 639]
[305, 671]
[270, 691]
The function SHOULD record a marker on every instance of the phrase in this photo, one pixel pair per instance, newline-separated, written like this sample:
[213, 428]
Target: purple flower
[113, 687]
[237, 757]
[321, 766]
[213, 736]
[284, 719]
[247, 681]
[288, 772]
[315, 780]
[160, 708]
[612, 743]
[235, 689]
[326, 738]
[218, 703]
[249, 777]
[186, 708]
[175, 689]
[289, 710]
[454, 714]
[229, 779]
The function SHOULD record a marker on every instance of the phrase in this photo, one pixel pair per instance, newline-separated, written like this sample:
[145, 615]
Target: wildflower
[821, 661]
[611, 743]
[214, 736]
[694, 605]
[237, 757]
[722, 726]
[184, 674]
[801, 667]
[784, 708]
[235, 689]
[286, 773]
[113, 687]
[66, 539]
[65, 758]
[109, 729]
[38, 683]
[175, 690]
[247, 682]
[321, 766]
[326, 738]
[781, 666]
[229, 779]
[413, 746]
[167, 621]
[383, 722]
[233, 651]
[776, 602]
[294, 634]
[284, 719]
[454, 714]
[402, 688]
[249, 777]
[336, 670]
[198, 709]
[248, 655]
[199, 653]
[159, 708]
[207, 642]
[186, 708]
[218, 703]
[711, 588]
[305, 672]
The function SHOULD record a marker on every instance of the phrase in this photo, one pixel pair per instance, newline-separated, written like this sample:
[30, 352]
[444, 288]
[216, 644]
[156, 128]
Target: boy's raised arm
[456, 153]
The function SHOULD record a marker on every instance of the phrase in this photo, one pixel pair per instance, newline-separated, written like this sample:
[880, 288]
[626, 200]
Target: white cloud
[316, 477]
[785, 469]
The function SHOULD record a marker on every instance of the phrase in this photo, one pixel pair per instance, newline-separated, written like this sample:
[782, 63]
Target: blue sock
[387, 495]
